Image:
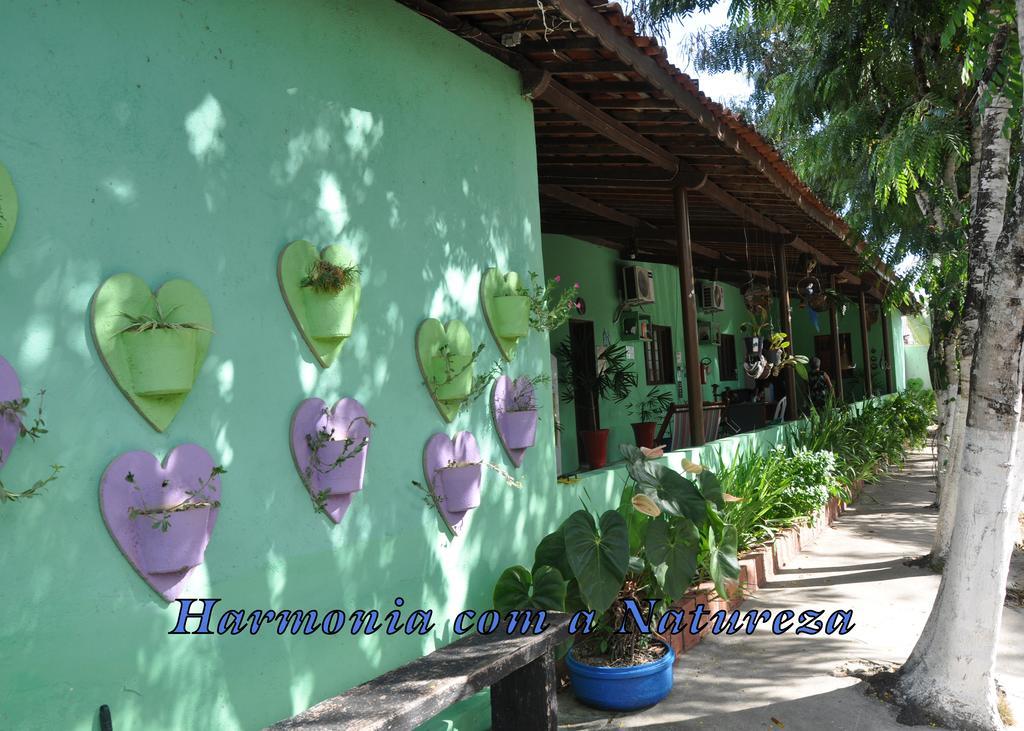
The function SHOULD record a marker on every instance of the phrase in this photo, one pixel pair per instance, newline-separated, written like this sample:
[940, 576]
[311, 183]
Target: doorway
[587, 410]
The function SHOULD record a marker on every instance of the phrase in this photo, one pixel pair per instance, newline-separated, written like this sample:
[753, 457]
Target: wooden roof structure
[619, 128]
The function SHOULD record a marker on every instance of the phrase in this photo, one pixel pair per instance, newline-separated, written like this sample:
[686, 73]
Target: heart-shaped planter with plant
[321, 290]
[454, 472]
[153, 345]
[161, 516]
[514, 403]
[10, 421]
[506, 309]
[446, 357]
[8, 208]
[329, 446]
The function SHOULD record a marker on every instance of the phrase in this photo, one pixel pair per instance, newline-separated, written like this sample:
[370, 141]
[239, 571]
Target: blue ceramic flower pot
[622, 689]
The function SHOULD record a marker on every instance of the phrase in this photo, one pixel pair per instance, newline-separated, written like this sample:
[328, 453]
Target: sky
[722, 88]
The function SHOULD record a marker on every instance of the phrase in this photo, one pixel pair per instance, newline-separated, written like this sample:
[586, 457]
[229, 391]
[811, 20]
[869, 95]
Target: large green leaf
[679, 496]
[722, 563]
[711, 488]
[636, 521]
[551, 552]
[598, 557]
[517, 588]
[672, 548]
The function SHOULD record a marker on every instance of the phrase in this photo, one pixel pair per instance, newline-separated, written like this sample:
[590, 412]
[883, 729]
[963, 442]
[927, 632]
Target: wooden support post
[527, 698]
[865, 349]
[837, 358]
[890, 385]
[786, 316]
[686, 289]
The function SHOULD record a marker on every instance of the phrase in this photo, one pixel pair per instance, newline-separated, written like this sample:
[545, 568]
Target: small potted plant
[668, 531]
[585, 382]
[337, 461]
[161, 351]
[176, 537]
[459, 483]
[451, 373]
[650, 408]
[330, 299]
[754, 331]
[511, 313]
[517, 419]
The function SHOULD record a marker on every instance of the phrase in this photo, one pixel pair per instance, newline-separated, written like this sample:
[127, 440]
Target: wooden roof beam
[590, 206]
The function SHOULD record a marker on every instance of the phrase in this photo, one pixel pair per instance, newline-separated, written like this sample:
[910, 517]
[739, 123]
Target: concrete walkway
[763, 681]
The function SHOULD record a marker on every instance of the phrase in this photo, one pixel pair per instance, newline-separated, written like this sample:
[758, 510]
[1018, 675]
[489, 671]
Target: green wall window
[658, 356]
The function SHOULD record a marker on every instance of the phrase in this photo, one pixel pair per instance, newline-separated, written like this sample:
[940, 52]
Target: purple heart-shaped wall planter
[10, 423]
[163, 556]
[329, 447]
[454, 471]
[515, 415]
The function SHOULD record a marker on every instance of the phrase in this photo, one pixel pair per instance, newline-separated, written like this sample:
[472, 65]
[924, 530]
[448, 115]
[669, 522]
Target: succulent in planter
[667, 532]
[330, 312]
[649, 409]
[178, 516]
[584, 381]
[161, 351]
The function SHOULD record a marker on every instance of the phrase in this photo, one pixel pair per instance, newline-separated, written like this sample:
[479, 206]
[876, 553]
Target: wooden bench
[519, 670]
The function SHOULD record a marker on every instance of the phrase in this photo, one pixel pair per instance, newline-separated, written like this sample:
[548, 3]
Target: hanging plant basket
[518, 428]
[330, 316]
[162, 360]
[460, 485]
[818, 303]
[511, 315]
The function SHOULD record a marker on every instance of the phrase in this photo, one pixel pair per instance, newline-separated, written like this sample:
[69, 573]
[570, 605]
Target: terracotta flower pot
[460, 384]
[518, 428]
[460, 487]
[179, 548]
[511, 316]
[644, 433]
[329, 316]
[595, 444]
[162, 361]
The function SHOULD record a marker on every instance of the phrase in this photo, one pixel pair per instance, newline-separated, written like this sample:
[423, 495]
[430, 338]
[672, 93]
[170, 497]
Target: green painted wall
[598, 271]
[196, 139]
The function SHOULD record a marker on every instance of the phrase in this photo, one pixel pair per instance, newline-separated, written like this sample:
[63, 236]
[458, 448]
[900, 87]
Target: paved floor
[763, 681]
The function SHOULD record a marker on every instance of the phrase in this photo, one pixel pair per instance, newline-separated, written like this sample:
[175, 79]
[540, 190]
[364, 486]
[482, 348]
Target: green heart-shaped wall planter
[324, 320]
[507, 313]
[154, 369]
[8, 208]
[445, 356]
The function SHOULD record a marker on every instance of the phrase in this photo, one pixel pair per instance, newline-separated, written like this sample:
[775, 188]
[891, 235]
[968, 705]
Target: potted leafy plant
[178, 516]
[511, 312]
[161, 351]
[584, 382]
[517, 417]
[460, 483]
[337, 461]
[667, 531]
[330, 299]
[649, 408]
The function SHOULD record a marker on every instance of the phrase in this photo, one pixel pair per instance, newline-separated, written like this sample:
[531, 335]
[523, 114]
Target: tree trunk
[989, 204]
[946, 413]
[950, 671]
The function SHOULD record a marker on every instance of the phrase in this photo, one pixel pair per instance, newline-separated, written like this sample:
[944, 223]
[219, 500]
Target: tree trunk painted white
[950, 671]
[991, 181]
[946, 412]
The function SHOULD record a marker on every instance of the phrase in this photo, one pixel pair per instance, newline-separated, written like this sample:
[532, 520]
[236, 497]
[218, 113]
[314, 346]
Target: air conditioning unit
[637, 286]
[712, 297]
